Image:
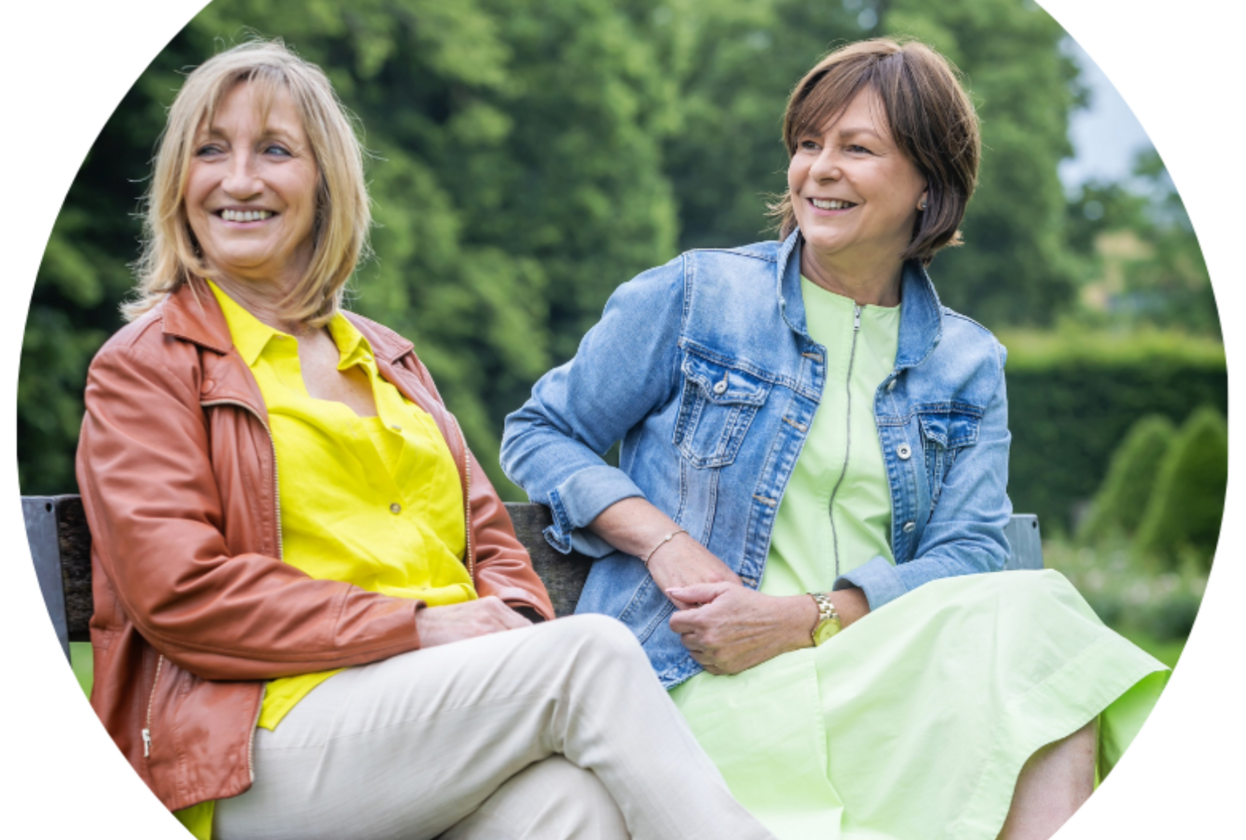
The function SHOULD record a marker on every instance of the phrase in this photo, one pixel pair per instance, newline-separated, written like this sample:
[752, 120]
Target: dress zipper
[852, 355]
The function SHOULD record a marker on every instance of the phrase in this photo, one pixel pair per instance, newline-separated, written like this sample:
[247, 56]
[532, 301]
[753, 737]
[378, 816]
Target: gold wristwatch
[828, 619]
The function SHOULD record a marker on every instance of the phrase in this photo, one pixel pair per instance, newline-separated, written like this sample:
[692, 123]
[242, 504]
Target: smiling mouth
[834, 204]
[245, 215]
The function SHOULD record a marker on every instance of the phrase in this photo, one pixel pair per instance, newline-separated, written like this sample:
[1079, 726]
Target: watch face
[827, 629]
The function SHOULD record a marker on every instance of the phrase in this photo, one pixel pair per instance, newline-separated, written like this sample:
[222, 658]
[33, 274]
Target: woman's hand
[455, 622]
[735, 628]
[636, 526]
[685, 563]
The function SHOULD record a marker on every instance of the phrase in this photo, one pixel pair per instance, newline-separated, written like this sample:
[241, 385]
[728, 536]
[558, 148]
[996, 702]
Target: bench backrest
[60, 545]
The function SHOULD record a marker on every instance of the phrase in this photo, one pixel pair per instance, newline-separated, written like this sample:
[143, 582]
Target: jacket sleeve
[625, 368]
[965, 534]
[503, 566]
[156, 517]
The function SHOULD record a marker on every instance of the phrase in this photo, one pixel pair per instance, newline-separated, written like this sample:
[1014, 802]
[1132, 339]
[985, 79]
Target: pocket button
[720, 388]
[904, 451]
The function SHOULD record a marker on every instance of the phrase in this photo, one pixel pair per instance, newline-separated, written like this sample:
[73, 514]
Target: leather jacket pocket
[716, 407]
[947, 430]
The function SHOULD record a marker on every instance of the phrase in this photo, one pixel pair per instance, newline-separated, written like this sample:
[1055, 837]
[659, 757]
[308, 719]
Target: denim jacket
[705, 370]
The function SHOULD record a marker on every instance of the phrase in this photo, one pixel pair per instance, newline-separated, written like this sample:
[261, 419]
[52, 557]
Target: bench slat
[1026, 542]
[40, 515]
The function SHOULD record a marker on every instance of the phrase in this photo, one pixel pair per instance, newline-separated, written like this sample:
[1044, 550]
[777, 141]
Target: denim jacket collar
[921, 320]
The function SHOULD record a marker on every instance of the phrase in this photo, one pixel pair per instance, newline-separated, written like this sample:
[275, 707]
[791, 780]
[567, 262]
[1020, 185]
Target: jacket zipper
[281, 549]
[852, 356]
[151, 703]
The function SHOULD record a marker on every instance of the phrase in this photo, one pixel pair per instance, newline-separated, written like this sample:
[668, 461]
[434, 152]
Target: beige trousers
[555, 731]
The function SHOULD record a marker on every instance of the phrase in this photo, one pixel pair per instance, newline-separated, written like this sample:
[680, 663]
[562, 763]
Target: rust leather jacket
[194, 608]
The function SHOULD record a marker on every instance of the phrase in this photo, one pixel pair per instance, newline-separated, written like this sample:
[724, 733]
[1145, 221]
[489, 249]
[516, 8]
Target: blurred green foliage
[1138, 254]
[527, 157]
[1071, 401]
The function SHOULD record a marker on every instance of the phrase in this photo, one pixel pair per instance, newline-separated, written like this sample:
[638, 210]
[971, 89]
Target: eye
[858, 150]
[277, 150]
[808, 145]
[208, 150]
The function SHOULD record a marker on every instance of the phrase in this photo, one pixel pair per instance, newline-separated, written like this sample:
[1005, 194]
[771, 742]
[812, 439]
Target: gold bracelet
[661, 543]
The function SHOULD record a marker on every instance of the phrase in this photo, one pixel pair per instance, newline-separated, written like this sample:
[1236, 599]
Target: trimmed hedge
[1126, 491]
[1073, 397]
[1187, 502]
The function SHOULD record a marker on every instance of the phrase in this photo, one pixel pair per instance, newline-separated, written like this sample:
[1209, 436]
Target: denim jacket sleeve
[965, 533]
[625, 368]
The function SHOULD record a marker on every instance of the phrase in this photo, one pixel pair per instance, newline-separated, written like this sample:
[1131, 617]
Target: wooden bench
[60, 545]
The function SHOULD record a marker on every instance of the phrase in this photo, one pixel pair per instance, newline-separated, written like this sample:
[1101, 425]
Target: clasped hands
[726, 626]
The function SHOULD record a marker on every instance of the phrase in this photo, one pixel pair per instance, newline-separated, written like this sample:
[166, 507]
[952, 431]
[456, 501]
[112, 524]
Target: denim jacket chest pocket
[717, 405]
[947, 429]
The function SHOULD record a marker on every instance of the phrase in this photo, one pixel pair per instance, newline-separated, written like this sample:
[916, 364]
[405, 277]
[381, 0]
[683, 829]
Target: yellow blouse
[374, 501]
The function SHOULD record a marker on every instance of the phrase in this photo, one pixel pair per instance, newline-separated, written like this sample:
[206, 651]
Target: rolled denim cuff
[579, 500]
[878, 579]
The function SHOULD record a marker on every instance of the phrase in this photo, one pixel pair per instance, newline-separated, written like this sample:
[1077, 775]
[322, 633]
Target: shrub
[1187, 503]
[1122, 498]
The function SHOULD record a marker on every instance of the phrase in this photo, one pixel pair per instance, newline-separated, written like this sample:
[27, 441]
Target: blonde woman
[312, 617]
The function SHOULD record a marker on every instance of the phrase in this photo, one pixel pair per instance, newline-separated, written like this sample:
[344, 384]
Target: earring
[922, 206]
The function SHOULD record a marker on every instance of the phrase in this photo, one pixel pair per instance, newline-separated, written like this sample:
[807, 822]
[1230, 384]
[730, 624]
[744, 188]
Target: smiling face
[251, 190]
[854, 193]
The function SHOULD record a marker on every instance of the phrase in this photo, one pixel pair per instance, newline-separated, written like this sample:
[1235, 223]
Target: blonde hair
[929, 115]
[171, 254]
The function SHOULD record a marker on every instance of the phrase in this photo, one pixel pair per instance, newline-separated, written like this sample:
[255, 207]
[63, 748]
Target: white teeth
[245, 215]
[822, 204]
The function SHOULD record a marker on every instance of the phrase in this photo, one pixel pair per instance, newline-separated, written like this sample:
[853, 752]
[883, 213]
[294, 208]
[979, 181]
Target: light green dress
[915, 721]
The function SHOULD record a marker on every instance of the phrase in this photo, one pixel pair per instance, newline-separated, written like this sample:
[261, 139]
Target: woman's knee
[594, 642]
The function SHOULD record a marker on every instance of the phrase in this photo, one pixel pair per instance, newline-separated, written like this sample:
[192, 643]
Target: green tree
[1154, 274]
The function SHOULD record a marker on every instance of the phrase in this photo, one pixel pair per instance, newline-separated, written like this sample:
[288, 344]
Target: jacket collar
[921, 314]
[192, 313]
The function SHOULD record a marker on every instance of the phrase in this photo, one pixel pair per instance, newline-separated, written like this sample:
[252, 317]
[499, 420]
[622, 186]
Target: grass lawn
[83, 665]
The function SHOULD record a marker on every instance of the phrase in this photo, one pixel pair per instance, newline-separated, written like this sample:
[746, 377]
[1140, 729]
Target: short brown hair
[928, 113]
[343, 215]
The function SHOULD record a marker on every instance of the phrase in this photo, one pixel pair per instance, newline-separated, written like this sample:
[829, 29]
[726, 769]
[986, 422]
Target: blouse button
[908, 527]
[891, 386]
[904, 451]
[396, 427]
[395, 508]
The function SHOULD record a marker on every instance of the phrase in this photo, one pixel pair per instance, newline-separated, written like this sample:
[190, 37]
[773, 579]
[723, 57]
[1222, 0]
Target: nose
[826, 167]
[241, 180]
